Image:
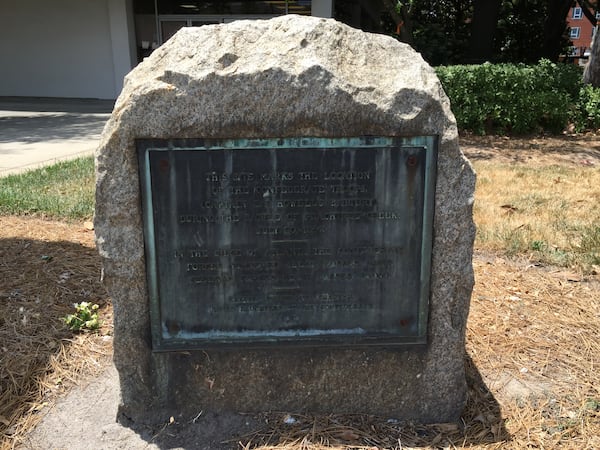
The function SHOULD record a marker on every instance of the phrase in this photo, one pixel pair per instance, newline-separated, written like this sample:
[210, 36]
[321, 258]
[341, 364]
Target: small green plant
[592, 404]
[538, 246]
[85, 317]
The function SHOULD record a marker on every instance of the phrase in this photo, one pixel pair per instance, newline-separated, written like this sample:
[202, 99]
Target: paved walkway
[85, 419]
[39, 131]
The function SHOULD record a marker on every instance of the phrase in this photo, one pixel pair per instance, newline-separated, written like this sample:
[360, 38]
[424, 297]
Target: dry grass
[539, 197]
[532, 369]
[551, 213]
[532, 338]
[533, 334]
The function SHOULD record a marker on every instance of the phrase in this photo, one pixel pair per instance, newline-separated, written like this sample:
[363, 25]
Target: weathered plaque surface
[298, 240]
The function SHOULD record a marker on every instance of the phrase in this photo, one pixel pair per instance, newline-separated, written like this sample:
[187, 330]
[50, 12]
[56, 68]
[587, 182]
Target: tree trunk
[555, 27]
[483, 29]
[402, 20]
[591, 75]
[588, 9]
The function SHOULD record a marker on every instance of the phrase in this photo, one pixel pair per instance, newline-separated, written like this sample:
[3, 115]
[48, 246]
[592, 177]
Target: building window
[574, 33]
[577, 13]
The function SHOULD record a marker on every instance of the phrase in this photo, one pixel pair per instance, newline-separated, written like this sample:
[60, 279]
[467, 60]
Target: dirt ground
[583, 149]
[532, 351]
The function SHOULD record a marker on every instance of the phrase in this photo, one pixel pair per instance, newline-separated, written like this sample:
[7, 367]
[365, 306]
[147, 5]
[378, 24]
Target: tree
[483, 30]
[474, 31]
[555, 28]
[400, 14]
[588, 8]
[529, 30]
[441, 29]
[591, 75]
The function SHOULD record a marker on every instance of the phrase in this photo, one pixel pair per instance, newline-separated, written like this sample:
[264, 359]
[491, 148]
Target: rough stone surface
[290, 76]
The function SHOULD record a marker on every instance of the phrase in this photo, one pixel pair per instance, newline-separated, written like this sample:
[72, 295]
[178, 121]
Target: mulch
[45, 267]
[532, 352]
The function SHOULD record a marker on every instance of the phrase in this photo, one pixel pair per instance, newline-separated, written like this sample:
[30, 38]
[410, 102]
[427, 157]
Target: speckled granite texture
[289, 76]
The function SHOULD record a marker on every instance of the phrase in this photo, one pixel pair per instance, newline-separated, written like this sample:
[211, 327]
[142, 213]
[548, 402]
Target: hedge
[519, 98]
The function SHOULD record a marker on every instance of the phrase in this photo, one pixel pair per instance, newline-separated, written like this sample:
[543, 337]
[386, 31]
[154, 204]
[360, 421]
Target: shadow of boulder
[39, 282]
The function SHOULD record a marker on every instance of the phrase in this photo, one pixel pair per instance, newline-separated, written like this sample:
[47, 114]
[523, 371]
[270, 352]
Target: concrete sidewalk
[39, 131]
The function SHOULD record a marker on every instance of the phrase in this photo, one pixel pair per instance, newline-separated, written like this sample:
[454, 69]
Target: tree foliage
[475, 31]
[483, 30]
[530, 30]
[441, 29]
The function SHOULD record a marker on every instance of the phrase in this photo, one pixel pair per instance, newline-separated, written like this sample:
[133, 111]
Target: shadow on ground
[50, 104]
[39, 282]
[48, 128]
[480, 424]
[524, 149]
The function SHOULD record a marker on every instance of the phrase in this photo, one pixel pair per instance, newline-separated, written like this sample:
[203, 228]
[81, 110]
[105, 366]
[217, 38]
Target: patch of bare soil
[532, 344]
[578, 150]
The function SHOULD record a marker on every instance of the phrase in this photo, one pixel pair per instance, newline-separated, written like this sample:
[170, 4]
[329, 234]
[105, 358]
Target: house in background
[84, 48]
[581, 33]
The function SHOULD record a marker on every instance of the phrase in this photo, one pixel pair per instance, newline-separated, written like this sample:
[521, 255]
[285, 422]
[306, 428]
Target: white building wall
[72, 48]
[64, 48]
[322, 8]
[122, 37]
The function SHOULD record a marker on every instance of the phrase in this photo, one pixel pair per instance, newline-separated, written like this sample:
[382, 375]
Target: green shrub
[587, 114]
[512, 98]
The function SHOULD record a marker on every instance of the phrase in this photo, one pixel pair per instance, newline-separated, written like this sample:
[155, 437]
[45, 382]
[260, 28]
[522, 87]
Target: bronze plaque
[288, 241]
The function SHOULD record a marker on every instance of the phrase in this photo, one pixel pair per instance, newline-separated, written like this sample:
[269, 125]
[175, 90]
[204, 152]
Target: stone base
[389, 383]
[286, 77]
